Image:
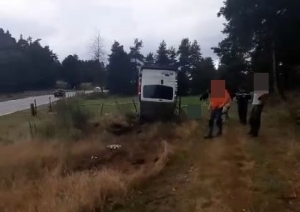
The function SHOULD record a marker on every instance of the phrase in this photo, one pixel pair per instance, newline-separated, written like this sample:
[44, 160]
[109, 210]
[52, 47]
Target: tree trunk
[274, 71]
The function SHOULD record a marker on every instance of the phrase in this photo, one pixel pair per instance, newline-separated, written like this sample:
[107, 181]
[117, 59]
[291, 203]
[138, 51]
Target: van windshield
[158, 92]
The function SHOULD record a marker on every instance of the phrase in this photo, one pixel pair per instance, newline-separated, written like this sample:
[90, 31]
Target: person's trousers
[255, 119]
[243, 110]
[215, 114]
[226, 114]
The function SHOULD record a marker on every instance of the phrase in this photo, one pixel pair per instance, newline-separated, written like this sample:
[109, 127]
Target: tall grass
[70, 120]
[43, 177]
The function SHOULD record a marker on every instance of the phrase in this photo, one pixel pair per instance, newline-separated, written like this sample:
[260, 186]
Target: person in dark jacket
[204, 96]
[242, 97]
[259, 100]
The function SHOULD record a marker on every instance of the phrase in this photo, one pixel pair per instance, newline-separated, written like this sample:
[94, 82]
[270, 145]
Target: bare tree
[96, 47]
[97, 53]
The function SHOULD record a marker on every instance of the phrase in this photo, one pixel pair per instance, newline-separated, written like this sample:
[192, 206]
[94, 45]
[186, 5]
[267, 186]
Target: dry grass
[63, 176]
[231, 173]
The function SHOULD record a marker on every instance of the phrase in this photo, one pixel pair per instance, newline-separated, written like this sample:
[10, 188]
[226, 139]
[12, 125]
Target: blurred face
[218, 88]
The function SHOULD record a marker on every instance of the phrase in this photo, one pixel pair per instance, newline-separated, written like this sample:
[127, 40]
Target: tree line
[26, 65]
[195, 72]
[260, 36]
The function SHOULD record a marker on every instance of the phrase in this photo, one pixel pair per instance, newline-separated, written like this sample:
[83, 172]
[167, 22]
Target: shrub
[92, 96]
[47, 130]
[61, 85]
[70, 120]
[70, 114]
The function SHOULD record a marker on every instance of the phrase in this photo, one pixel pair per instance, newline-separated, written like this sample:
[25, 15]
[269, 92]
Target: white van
[157, 91]
[97, 89]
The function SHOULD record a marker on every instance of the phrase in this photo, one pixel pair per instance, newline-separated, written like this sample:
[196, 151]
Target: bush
[61, 85]
[97, 95]
[47, 130]
[70, 120]
[70, 114]
[86, 86]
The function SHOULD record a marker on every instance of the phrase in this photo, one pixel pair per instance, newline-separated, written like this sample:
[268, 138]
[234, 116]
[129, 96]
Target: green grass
[15, 127]
[190, 100]
[121, 105]
[113, 100]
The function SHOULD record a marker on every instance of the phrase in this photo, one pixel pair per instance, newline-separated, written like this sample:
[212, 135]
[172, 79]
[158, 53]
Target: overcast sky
[68, 26]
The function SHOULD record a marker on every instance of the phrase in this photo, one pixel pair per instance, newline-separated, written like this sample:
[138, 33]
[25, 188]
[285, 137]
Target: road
[13, 106]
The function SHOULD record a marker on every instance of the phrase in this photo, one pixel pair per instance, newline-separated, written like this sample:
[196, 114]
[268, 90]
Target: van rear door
[158, 85]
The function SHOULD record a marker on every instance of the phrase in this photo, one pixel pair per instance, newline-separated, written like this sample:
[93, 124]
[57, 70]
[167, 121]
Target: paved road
[13, 106]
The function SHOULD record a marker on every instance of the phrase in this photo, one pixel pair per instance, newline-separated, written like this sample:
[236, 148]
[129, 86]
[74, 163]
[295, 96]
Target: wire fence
[193, 111]
[122, 106]
[117, 108]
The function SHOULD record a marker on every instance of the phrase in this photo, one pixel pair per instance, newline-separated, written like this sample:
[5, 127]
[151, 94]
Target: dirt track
[230, 173]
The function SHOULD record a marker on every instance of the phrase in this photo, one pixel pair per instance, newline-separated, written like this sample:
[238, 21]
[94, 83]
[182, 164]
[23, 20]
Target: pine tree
[172, 56]
[149, 58]
[120, 71]
[162, 54]
[196, 56]
[184, 64]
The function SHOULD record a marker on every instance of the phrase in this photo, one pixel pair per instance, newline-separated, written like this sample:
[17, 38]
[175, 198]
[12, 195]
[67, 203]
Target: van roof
[159, 67]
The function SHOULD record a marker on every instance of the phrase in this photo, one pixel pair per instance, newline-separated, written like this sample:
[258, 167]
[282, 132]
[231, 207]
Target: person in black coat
[204, 96]
[243, 97]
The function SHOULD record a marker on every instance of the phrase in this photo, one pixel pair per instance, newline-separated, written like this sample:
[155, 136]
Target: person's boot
[219, 133]
[254, 135]
[209, 136]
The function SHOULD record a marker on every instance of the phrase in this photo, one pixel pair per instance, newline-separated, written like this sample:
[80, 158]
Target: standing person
[243, 97]
[204, 96]
[225, 111]
[216, 109]
[259, 99]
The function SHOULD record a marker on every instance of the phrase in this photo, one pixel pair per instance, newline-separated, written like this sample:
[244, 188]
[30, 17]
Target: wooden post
[179, 109]
[30, 129]
[35, 128]
[118, 106]
[35, 107]
[50, 105]
[134, 106]
[32, 109]
[101, 111]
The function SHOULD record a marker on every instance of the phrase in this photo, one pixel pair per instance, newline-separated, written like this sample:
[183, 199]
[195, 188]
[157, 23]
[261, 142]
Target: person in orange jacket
[216, 110]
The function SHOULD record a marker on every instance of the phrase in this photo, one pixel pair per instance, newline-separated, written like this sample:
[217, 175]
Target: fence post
[118, 106]
[35, 128]
[32, 109]
[134, 106]
[50, 105]
[30, 129]
[101, 111]
[35, 107]
[179, 109]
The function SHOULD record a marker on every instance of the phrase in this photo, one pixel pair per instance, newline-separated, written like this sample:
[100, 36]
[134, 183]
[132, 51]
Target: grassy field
[160, 167]
[15, 126]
